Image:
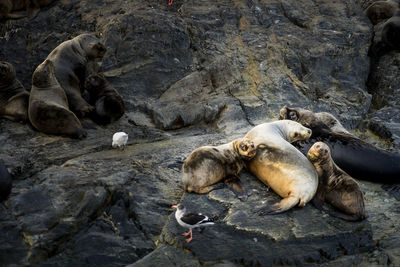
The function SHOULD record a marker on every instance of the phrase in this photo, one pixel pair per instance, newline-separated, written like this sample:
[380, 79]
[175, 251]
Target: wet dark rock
[192, 74]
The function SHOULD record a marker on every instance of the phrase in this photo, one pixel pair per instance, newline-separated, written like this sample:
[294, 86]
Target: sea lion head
[95, 84]
[7, 73]
[245, 147]
[380, 11]
[318, 152]
[43, 76]
[92, 45]
[295, 131]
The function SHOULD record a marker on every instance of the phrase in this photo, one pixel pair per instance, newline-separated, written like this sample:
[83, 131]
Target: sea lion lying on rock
[48, 105]
[13, 97]
[108, 104]
[336, 186]
[356, 157]
[281, 166]
[31, 6]
[206, 166]
[71, 60]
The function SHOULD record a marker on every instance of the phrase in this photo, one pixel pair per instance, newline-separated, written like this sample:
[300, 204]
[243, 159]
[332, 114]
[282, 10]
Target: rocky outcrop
[193, 73]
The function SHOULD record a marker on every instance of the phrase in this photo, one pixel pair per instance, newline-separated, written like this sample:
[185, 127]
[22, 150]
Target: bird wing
[194, 218]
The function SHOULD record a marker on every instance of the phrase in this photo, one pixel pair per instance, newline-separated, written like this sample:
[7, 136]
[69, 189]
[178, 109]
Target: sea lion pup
[206, 166]
[381, 10]
[13, 96]
[48, 105]
[314, 121]
[391, 31]
[356, 157]
[336, 186]
[71, 59]
[108, 104]
[5, 182]
[281, 166]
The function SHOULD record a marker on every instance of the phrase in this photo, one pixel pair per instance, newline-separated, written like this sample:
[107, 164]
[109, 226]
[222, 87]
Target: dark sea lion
[31, 6]
[335, 186]
[71, 60]
[281, 166]
[391, 31]
[13, 97]
[356, 157]
[206, 166]
[109, 106]
[5, 182]
[48, 105]
[381, 10]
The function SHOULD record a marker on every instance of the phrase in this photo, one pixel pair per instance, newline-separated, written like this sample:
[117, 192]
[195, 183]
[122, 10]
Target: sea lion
[206, 166]
[281, 166]
[336, 186]
[5, 182]
[356, 157]
[391, 31]
[71, 60]
[108, 104]
[48, 105]
[314, 121]
[31, 6]
[381, 10]
[13, 96]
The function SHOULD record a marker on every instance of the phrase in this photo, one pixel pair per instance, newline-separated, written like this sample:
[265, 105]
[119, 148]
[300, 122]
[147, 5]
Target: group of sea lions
[303, 156]
[385, 16]
[66, 87]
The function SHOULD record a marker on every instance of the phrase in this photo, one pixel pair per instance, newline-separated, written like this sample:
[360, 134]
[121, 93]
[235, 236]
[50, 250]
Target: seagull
[190, 220]
[119, 140]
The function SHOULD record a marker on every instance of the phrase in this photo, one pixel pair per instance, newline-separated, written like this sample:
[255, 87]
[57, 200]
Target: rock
[194, 74]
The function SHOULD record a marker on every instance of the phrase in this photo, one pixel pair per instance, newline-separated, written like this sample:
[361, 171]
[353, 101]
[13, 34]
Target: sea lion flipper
[234, 184]
[346, 217]
[392, 189]
[284, 205]
[14, 16]
[207, 189]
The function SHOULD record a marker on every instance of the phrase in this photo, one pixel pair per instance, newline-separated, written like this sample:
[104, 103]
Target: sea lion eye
[243, 147]
[296, 134]
[292, 115]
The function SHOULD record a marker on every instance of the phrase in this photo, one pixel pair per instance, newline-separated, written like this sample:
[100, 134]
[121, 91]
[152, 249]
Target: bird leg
[191, 237]
[186, 234]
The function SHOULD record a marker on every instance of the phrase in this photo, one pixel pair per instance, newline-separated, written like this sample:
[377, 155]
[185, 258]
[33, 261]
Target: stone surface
[191, 74]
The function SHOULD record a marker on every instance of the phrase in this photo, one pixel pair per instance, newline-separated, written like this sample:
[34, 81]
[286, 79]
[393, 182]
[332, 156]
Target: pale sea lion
[109, 106]
[281, 166]
[48, 105]
[206, 166]
[71, 60]
[13, 97]
[336, 186]
[381, 10]
[356, 157]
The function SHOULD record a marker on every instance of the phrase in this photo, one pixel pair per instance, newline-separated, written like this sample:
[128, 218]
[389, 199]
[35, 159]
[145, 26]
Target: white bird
[190, 220]
[119, 140]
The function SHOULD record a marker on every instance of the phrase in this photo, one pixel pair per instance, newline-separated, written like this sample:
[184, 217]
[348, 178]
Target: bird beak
[174, 206]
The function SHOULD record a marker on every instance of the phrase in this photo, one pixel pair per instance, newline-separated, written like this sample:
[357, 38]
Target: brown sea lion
[108, 104]
[71, 60]
[336, 186]
[31, 6]
[381, 10]
[314, 121]
[13, 97]
[206, 166]
[281, 166]
[48, 105]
